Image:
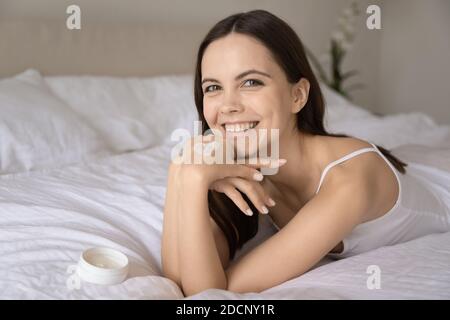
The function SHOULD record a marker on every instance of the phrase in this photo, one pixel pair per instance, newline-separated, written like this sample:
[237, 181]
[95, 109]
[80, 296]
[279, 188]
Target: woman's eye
[212, 88]
[252, 83]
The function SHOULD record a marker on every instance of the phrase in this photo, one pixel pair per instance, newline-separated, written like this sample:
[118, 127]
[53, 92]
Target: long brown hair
[289, 53]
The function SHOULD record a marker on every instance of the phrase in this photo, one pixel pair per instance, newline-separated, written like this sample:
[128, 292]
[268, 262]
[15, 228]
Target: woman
[332, 194]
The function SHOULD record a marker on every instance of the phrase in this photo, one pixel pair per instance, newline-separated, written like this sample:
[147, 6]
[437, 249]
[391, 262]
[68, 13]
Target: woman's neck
[298, 178]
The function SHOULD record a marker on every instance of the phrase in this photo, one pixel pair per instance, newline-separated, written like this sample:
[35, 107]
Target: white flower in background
[338, 36]
[346, 46]
[349, 29]
[341, 42]
[344, 34]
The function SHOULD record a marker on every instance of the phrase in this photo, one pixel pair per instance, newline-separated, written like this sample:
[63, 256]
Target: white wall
[415, 58]
[405, 66]
[314, 21]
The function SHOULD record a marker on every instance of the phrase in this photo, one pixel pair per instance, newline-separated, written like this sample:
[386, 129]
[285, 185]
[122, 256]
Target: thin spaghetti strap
[384, 158]
[344, 158]
[394, 170]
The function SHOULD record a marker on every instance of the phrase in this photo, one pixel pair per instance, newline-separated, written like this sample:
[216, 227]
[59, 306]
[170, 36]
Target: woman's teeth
[240, 127]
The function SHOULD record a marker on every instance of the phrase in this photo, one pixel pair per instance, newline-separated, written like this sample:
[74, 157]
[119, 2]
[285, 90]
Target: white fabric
[422, 207]
[38, 130]
[135, 113]
[342, 116]
[131, 113]
[416, 269]
[389, 131]
[48, 217]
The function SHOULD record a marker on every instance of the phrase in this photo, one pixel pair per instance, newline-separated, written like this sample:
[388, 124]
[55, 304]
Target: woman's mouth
[239, 127]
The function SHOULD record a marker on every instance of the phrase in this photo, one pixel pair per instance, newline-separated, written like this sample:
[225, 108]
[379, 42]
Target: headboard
[98, 49]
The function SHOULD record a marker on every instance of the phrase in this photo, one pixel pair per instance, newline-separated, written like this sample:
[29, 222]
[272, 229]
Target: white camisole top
[422, 208]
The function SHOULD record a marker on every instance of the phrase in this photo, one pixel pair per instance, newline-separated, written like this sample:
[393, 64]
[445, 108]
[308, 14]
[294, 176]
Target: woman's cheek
[209, 113]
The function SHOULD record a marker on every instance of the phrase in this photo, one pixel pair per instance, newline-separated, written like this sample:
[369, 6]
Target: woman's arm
[194, 249]
[169, 245]
[318, 226]
[195, 261]
[177, 237]
[169, 251]
[199, 261]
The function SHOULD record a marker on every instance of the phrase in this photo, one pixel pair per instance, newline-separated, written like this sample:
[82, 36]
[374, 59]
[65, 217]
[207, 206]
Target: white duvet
[49, 216]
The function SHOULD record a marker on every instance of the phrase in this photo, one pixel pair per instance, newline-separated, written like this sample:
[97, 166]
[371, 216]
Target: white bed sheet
[48, 217]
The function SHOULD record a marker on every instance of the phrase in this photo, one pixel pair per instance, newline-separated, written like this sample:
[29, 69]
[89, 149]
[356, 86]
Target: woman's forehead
[236, 52]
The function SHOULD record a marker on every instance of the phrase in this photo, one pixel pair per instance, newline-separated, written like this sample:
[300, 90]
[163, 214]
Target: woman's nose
[230, 104]
[231, 108]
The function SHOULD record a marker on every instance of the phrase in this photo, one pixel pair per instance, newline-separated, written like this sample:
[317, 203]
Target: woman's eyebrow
[246, 73]
[240, 76]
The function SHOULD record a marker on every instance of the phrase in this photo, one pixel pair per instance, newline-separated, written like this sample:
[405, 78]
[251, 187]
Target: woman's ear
[300, 92]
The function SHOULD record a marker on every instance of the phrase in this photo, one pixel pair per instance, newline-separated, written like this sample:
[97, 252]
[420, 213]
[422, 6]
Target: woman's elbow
[171, 274]
[190, 289]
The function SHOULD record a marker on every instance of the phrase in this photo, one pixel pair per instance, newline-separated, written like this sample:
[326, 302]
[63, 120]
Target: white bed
[53, 206]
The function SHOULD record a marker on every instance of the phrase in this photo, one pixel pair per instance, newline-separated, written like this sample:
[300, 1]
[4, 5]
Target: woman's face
[246, 90]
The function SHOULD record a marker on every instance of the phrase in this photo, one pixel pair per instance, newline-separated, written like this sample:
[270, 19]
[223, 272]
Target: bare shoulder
[340, 146]
[376, 182]
[357, 168]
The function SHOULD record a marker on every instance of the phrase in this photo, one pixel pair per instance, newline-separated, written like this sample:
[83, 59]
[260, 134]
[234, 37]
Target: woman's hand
[225, 178]
[253, 189]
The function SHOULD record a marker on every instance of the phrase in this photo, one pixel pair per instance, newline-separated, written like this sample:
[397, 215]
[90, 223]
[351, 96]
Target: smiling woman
[252, 73]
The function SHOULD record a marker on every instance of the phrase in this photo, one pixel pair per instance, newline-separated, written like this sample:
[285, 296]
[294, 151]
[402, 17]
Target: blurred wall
[404, 66]
[415, 58]
[167, 31]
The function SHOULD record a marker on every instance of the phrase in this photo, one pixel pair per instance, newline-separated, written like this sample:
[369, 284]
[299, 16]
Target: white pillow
[131, 113]
[38, 130]
[135, 113]
[342, 116]
[338, 108]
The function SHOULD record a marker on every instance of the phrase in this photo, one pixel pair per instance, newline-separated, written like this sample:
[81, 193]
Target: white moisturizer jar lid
[102, 266]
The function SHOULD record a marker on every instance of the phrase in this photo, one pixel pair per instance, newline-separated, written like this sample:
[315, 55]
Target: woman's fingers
[237, 170]
[237, 198]
[265, 163]
[254, 191]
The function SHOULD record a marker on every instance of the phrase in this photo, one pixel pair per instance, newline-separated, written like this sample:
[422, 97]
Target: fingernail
[258, 176]
[271, 202]
[278, 163]
[265, 210]
[249, 212]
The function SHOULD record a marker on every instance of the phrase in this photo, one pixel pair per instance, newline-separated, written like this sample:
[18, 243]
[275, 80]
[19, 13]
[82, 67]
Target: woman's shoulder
[367, 170]
[341, 146]
[335, 148]
[360, 168]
